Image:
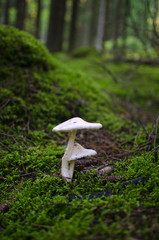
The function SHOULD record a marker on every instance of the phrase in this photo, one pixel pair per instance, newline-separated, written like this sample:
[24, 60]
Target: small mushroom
[77, 153]
[74, 151]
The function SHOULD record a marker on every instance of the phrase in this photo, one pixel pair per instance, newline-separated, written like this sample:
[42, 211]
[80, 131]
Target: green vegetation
[39, 91]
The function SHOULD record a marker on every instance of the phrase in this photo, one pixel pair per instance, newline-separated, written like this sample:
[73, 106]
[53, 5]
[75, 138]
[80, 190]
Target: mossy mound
[25, 67]
[37, 90]
[20, 49]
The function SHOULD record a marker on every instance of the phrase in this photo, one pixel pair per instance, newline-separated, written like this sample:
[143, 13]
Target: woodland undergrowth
[39, 91]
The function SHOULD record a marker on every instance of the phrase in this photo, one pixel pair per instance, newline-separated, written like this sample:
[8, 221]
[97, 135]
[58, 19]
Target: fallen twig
[41, 226]
[3, 145]
[155, 132]
[152, 62]
[108, 71]
[2, 178]
[14, 136]
[5, 104]
[59, 203]
[131, 73]
[112, 178]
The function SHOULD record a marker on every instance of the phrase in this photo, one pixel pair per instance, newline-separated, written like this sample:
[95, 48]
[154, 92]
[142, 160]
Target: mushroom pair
[74, 150]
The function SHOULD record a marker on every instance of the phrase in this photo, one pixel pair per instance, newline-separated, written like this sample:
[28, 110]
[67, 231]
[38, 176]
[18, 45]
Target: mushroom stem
[67, 166]
[72, 165]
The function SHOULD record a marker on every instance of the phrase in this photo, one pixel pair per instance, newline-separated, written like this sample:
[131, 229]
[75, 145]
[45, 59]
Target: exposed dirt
[106, 146]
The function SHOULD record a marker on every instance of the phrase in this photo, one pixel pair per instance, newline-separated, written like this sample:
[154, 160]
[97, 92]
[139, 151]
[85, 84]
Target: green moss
[20, 49]
[39, 91]
[39, 206]
[85, 52]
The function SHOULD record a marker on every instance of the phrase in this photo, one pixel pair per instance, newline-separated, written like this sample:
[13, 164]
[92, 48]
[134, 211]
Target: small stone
[103, 171]
[4, 207]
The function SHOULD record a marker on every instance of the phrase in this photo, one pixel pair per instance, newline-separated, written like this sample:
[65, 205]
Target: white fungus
[74, 150]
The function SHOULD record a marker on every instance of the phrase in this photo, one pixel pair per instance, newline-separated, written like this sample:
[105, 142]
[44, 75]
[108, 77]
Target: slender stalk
[72, 165]
[67, 166]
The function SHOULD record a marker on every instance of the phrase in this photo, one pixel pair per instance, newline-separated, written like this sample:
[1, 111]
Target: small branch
[108, 71]
[14, 136]
[3, 145]
[131, 73]
[5, 104]
[2, 178]
[156, 129]
[152, 62]
[41, 226]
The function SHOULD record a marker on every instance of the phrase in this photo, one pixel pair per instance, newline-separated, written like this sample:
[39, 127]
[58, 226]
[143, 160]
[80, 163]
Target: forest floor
[39, 91]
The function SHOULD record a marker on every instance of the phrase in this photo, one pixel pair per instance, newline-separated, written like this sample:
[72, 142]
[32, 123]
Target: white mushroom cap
[80, 152]
[75, 124]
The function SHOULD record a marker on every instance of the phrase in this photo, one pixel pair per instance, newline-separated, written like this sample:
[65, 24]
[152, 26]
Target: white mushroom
[80, 152]
[77, 153]
[74, 151]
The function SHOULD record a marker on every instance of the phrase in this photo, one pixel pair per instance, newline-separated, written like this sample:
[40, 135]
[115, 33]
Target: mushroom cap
[80, 152]
[75, 124]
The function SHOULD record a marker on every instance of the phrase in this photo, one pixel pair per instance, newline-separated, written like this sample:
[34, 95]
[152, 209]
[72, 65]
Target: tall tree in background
[0, 11]
[154, 15]
[107, 25]
[100, 27]
[56, 25]
[125, 15]
[93, 21]
[21, 13]
[6, 13]
[73, 25]
[117, 23]
[37, 29]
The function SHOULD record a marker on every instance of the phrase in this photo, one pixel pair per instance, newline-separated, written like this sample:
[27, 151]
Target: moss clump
[85, 52]
[37, 90]
[20, 49]
[25, 67]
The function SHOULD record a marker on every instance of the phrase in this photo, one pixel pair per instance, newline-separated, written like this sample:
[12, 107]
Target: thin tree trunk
[126, 13]
[56, 25]
[93, 22]
[100, 28]
[0, 11]
[6, 13]
[145, 16]
[117, 24]
[73, 26]
[155, 33]
[21, 13]
[107, 22]
[39, 7]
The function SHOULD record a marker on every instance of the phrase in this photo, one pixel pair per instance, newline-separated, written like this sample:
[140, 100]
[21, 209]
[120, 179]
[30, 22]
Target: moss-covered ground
[39, 91]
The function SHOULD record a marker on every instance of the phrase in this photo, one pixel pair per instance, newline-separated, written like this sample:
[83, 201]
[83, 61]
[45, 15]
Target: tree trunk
[126, 13]
[93, 22]
[6, 13]
[21, 13]
[107, 21]
[73, 26]
[56, 25]
[0, 11]
[100, 27]
[39, 7]
[117, 25]
[155, 33]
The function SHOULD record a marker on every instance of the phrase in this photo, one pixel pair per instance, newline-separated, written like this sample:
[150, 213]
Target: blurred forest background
[120, 28]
